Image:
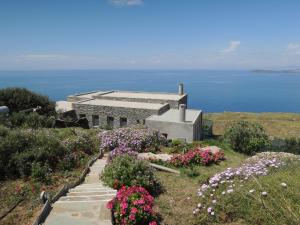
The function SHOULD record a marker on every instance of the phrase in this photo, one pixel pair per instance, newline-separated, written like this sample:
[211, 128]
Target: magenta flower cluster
[132, 206]
[196, 156]
[140, 140]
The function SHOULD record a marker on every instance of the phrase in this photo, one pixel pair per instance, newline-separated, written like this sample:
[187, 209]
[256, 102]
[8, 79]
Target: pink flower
[124, 205]
[134, 210]
[132, 217]
[110, 204]
[153, 223]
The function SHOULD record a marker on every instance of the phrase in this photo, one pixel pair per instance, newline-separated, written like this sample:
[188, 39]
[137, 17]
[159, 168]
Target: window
[82, 115]
[123, 122]
[110, 121]
[138, 121]
[95, 119]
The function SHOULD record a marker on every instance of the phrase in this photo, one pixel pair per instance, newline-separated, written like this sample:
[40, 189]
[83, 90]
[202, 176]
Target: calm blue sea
[211, 91]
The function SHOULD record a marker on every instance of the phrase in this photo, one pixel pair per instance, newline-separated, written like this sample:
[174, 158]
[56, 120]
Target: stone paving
[86, 203]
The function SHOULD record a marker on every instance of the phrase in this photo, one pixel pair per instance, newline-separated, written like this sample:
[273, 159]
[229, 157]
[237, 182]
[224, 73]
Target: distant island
[276, 71]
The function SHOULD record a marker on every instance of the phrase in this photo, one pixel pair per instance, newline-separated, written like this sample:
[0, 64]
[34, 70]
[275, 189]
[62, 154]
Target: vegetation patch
[26, 152]
[133, 206]
[139, 140]
[128, 171]
[261, 191]
[196, 156]
[278, 125]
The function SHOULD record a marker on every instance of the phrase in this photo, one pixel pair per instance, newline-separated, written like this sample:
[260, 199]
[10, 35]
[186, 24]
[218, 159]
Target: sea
[210, 91]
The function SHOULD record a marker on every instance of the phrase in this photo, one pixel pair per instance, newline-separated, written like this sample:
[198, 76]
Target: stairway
[86, 203]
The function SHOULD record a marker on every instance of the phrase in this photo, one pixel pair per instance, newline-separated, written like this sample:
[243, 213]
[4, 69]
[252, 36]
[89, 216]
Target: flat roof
[63, 106]
[122, 104]
[89, 94]
[144, 95]
[172, 115]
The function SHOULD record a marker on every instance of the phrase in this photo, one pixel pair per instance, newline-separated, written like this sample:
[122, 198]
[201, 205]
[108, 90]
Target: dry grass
[26, 212]
[277, 124]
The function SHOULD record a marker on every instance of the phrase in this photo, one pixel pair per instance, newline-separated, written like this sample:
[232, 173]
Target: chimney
[182, 109]
[180, 89]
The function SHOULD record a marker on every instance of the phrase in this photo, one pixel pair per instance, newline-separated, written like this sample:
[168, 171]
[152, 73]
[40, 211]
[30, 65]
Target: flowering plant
[197, 156]
[139, 140]
[126, 170]
[121, 150]
[132, 205]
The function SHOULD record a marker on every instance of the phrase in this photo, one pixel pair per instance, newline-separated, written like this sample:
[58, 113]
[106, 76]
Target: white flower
[214, 201]
[283, 184]
[252, 190]
[211, 195]
[264, 193]
[199, 205]
[229, 190]
[223, 193]
[212, 213]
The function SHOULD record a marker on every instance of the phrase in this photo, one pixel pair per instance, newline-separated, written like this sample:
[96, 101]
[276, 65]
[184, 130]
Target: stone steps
[88, 197]
[91, 193]
[84, 204]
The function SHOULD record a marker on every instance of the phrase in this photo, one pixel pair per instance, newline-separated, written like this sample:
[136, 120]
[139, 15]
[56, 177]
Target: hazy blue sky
[157, 34]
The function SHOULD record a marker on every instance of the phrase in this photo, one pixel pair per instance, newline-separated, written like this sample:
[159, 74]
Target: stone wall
[134, 116]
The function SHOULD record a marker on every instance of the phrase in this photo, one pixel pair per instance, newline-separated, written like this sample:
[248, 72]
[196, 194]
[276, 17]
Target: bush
[128, 171]
[40, 172]
[133, 205]
[196, 157]
[20, 149]
[140, 140]
[291, 145]
[247, 137]
[17, 99]
[178, 146]
[30, 120]
[121, 151]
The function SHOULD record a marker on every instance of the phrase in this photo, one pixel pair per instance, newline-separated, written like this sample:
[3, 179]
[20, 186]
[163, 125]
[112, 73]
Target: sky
[149, 34]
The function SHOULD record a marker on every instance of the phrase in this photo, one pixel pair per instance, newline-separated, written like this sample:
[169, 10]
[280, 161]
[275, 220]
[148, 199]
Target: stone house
[165, 112]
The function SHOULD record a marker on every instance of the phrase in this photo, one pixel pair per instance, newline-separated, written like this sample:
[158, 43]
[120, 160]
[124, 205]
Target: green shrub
[17, 99]
[31, 120]
[128, 171]
[179, 146]
[247, 137]
[59, 150]
[3, 131]
[291, 145]
[40, 172]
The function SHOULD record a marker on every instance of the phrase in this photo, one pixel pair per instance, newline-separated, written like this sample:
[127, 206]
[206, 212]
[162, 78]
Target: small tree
[247, 137]
[17, 99]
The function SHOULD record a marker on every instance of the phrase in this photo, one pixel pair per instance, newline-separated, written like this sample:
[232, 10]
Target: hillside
[277, 124]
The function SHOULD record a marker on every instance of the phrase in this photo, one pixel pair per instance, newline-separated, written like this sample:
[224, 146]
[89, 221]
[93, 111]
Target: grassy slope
[281, 206]
[276, 124]
[27, 210]
[180, 198]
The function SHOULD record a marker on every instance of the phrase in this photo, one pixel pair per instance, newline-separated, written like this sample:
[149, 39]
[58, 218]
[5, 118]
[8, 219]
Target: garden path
[86, 203]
